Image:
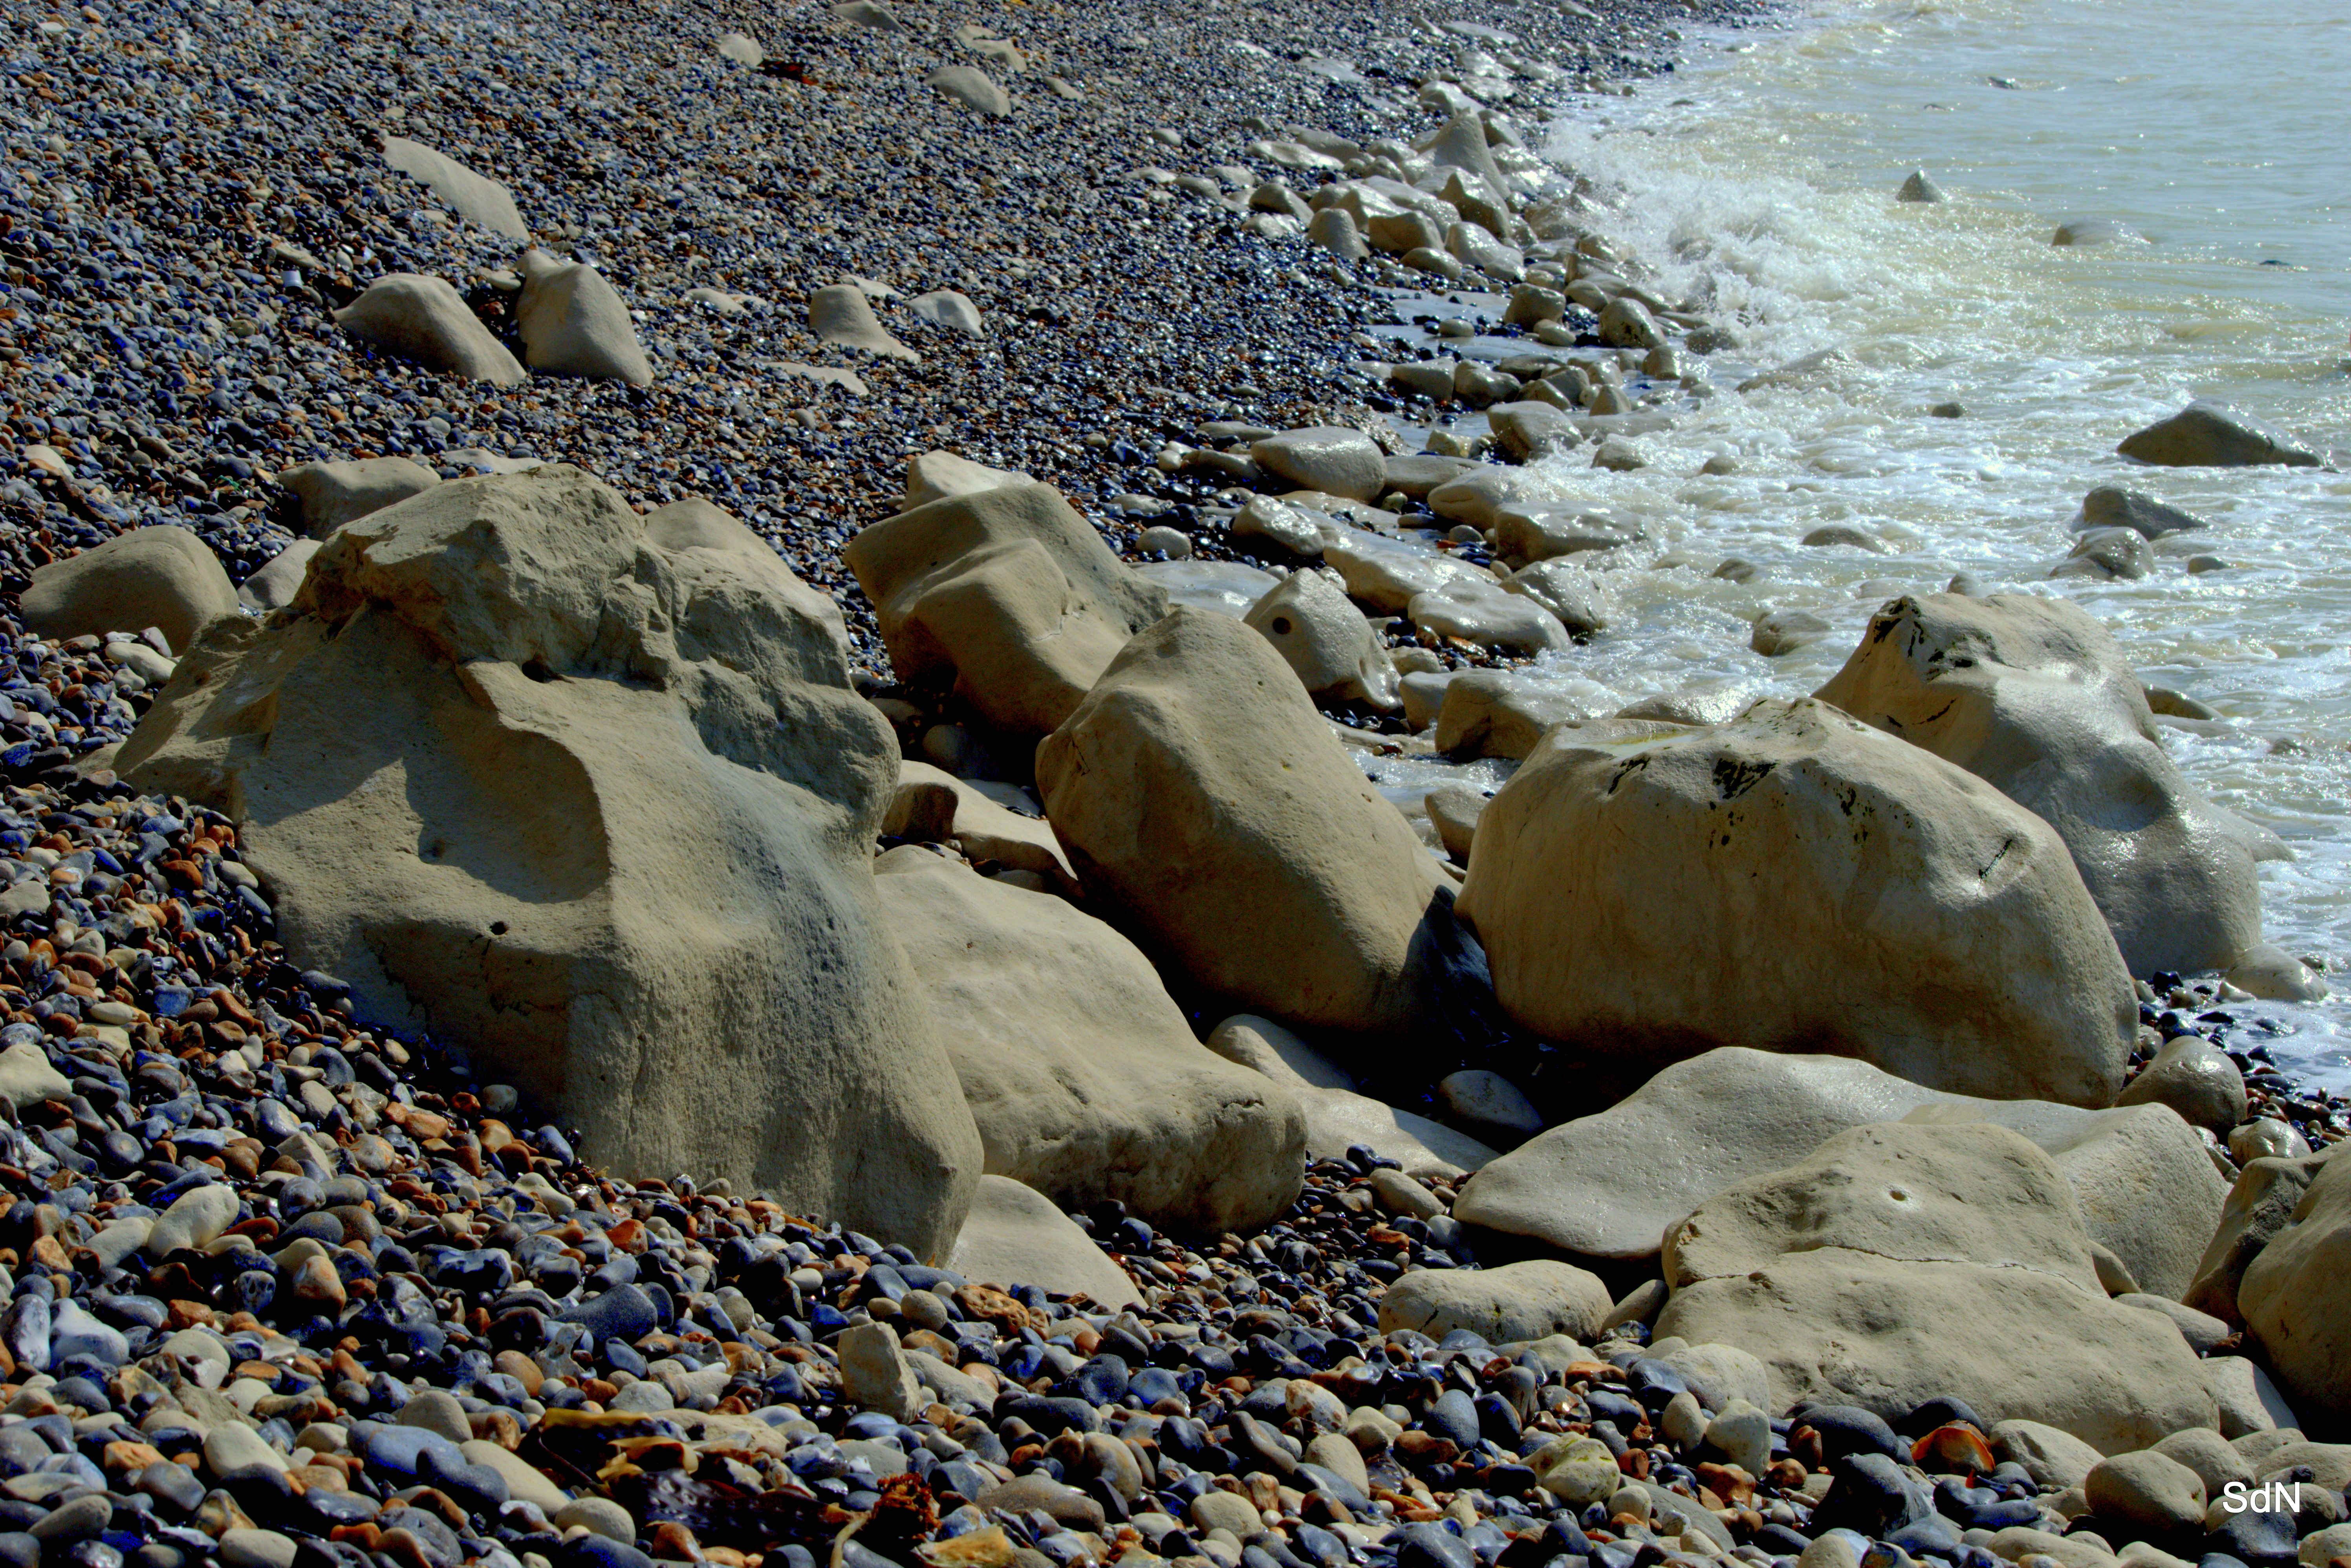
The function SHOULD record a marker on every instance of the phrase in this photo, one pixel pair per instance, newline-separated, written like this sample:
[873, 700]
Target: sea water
[1758, 179]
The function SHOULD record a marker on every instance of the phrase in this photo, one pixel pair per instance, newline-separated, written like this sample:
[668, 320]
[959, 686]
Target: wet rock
[2211, 435]
[1919, 187]
[2291, 1298]
[1325, 639]
[2034, 697]
[1336, 460]
[2113, 506]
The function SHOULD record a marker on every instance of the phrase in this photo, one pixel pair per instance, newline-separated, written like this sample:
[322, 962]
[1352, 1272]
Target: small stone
[874, 1375]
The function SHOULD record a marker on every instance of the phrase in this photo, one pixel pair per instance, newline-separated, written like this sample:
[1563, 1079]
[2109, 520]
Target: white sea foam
[1761, 182]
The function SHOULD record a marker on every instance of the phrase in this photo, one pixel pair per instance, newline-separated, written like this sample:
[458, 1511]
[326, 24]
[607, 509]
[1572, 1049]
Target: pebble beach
[1071, 1024]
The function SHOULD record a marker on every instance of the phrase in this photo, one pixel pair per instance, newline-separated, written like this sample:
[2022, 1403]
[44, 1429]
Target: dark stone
[1454, 1416]
[1433, 1546]
[1849, 1429]
[1872, 1494]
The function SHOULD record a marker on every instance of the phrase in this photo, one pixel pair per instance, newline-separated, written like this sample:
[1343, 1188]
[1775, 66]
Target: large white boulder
[1903, 1262]
[1202, 797]
[1008, 594]
[1795, 879]
[601, 810]
[423, 320]
[1081, 1072]
[160, 576]
[573, 322]
[1609, 1184]
[1330, 458]
[2033, 696]
[2294, 1300]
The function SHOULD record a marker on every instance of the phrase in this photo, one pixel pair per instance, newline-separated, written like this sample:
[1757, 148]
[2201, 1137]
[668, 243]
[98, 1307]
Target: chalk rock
[2033, 697]
[1477, 610]
[2293, 1300]
[332, 494]
[742, 49]
[1330, 458]
[1787, 880]
[1501, 713]
[278, 579]
[1201, 796]
[157, 575]
[475, 197]
[2006, 1317]
[874, 1375]
[981, 825]
[2211, 435]
[1016, 1236]
[871, 15]
[840, 314]
[422, 319]
[1579, 599]
[1006, 593]
[574, 323]
[947, 308]
[936, 476]
[1338, 1118]
[2195, 1079]
[971, 88]
[2260, 1204]
[1083, 1077]
[1964, 1193]
[1608, 1185]
[601, 812]
[1515, 1302]
[1325, 639]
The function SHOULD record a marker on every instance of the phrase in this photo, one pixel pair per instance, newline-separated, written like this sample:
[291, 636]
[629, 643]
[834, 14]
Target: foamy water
[1760, 180]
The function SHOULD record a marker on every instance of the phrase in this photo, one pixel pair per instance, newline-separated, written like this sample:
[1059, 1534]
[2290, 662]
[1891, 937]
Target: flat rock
[1964, 1193]
[1516, 1302]
[1608, 1185]
[475, 197]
